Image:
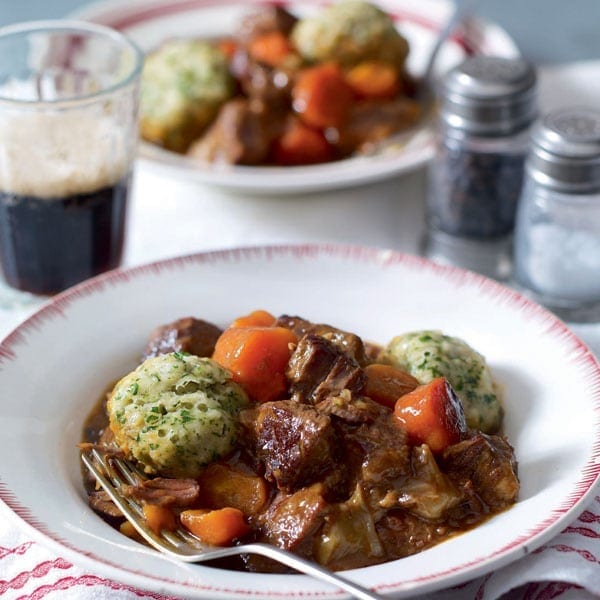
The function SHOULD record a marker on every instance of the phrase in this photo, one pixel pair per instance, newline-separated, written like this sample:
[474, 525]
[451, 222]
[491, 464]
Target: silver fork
[181, 544]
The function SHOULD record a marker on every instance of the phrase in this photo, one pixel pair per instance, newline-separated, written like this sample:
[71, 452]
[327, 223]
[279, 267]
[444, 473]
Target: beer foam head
[59, 153]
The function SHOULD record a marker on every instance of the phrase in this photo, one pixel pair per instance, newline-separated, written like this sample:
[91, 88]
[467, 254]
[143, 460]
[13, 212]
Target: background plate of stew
[151, 22]
[55, 366]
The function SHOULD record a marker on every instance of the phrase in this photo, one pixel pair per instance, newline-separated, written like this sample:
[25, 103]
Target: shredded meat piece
[100, 501]
[165, 492]
[107, 449]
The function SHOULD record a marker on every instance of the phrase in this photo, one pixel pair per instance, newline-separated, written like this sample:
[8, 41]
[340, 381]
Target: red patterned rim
[579, 354]
[122, 19]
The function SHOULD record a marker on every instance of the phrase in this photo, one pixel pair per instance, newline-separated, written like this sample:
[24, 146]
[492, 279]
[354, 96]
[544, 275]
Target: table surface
[546, 31]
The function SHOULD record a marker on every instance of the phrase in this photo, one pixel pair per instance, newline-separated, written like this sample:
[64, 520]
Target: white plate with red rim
[56, 365]
[151, 22]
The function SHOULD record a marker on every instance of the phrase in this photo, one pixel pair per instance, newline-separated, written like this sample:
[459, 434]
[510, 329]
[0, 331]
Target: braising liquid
[49, 244]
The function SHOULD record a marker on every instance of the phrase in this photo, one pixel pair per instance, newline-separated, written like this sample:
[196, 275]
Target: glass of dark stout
[69, 95]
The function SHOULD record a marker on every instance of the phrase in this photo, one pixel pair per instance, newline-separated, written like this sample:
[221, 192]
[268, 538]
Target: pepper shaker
[487, 106]
[557, 236]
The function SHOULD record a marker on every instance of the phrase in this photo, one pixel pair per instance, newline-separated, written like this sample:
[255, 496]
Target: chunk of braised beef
[372, 351]
[349, 343]
[295, 443]
[489, 463]
[164, 491]
[318, 368]
[385, 457]
[188, 334]
[264, 83]
[241, 134]
[403, 534]
[247, 437]
[297, 324]
[265, 20]
[292, 520]
[470, 511]
[376, 452]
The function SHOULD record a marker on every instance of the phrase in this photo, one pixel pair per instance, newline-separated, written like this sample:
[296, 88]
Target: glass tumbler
[69, 95]
[557, 238]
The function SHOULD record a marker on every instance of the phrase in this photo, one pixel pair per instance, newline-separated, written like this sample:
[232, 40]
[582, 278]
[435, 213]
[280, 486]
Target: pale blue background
[546, 31]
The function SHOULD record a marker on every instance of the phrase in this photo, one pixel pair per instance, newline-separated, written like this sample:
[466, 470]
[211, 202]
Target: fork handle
[313, 569]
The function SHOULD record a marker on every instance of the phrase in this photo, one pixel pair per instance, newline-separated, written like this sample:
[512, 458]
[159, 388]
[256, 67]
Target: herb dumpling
[184, 84]
[349, 32]
[430, 354]
[176, 413]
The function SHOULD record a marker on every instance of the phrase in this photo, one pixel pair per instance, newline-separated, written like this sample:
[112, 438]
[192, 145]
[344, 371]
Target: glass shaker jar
[487, 105]
[557, 236]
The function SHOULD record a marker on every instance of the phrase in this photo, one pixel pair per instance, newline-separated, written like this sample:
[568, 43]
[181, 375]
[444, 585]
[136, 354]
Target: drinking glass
[69, 95]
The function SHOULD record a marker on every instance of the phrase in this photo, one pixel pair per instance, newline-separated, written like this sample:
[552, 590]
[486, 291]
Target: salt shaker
[487, 105]
[557, 236]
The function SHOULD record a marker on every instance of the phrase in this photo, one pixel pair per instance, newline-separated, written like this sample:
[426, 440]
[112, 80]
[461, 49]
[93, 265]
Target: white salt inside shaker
[557, 237]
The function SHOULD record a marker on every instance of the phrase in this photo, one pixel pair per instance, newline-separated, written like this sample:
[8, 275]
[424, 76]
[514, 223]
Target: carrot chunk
[321, 96]
[216, 527]
[385, 384]
[257, 318]
[301, 145]
[228, 47]
[159, 518]
[432, 414]
[222, 485]
[271, 48]
[126, 528]
[374, 80]
[258, 358]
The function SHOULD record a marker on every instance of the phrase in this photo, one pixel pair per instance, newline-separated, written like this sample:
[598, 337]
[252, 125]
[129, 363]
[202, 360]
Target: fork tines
[112, 473]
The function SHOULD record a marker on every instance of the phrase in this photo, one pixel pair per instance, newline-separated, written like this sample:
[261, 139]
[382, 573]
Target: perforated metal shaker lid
[565, 150]
[490, 95]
